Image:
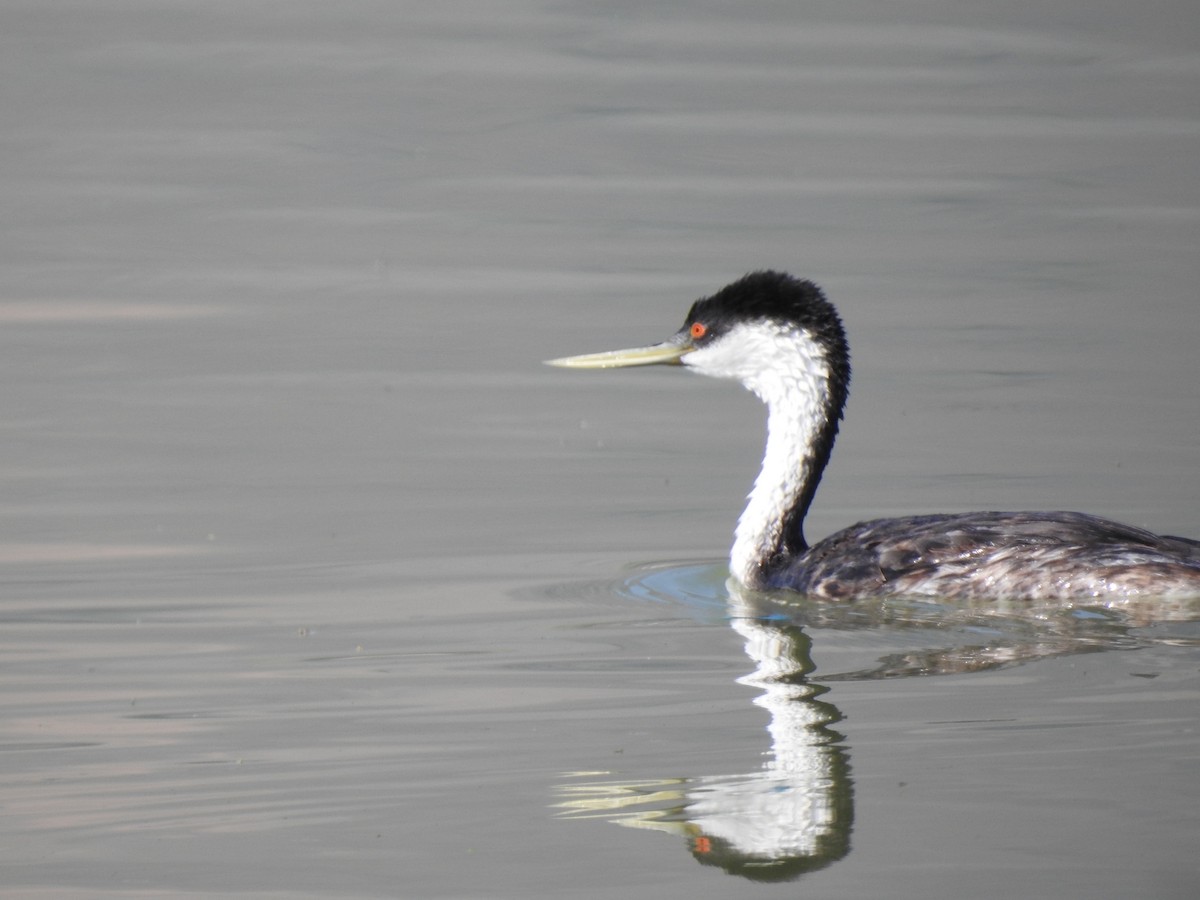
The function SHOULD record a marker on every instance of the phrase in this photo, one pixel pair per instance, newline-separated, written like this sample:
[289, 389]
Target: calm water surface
[314, 582]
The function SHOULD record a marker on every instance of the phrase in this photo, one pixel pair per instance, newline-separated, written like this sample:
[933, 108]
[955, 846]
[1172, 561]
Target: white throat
[790, 374]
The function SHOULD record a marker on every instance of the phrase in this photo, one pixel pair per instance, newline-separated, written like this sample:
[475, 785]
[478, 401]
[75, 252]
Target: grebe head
[775, 334]
[783, 340]
[763, 328]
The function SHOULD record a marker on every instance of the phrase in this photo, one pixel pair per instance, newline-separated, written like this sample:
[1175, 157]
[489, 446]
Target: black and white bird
[784, 341]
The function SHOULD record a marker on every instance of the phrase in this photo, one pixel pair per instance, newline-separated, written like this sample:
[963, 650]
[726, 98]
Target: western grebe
[784, 341]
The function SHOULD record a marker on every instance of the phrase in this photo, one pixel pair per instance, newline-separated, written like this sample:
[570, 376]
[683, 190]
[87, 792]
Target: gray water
[315, 583]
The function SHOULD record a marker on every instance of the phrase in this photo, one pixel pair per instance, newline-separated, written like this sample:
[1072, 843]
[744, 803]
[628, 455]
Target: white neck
[797, 399]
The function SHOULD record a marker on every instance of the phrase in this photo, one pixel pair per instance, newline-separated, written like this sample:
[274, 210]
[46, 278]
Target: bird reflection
[795, 813]
[792, 816]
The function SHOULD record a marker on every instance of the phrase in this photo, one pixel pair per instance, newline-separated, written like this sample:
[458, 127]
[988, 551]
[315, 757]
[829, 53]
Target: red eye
[699, 330]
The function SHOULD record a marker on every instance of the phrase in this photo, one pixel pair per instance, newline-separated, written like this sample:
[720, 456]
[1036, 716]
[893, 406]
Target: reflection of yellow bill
[620, 801]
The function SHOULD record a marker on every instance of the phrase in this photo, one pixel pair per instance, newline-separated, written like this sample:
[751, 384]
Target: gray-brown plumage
[979, 555]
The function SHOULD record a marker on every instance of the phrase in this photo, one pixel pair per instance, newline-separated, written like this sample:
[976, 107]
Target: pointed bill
[668, 352]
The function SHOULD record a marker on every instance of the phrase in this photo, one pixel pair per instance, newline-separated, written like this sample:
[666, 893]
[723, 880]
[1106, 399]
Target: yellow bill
[666, 353]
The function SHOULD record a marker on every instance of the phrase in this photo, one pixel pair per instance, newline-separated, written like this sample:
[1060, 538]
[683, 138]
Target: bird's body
[1065, 556]
[784, 341]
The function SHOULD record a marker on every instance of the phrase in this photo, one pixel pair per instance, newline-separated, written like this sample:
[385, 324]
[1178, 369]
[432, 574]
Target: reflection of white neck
[788, 807]
[794, 750]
